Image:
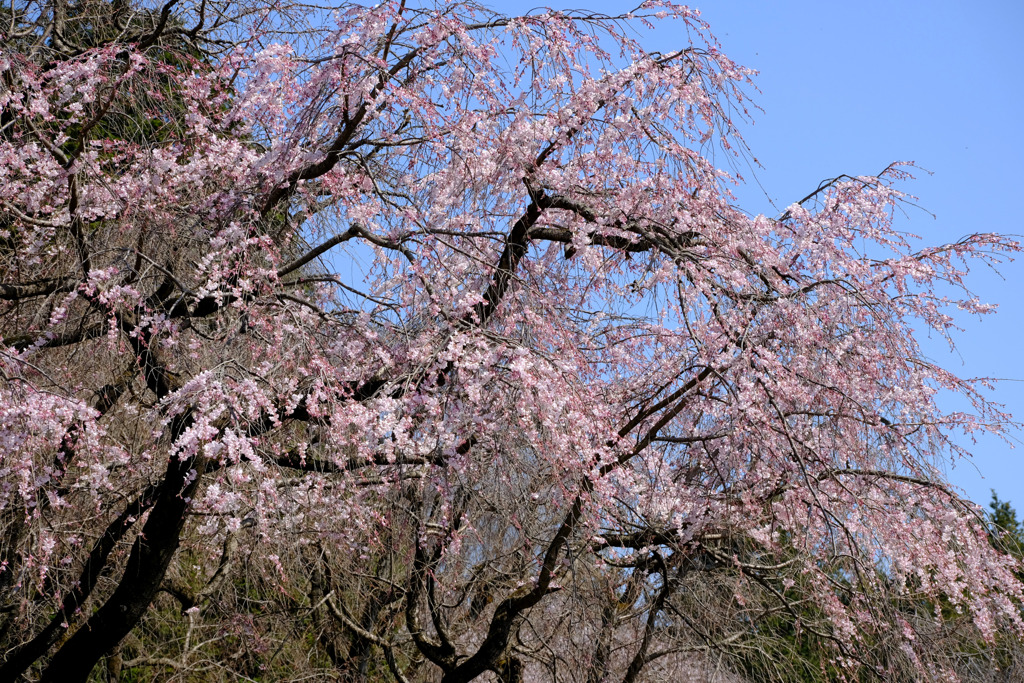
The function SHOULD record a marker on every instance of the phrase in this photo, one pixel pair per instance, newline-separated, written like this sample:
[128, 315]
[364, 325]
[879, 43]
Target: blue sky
[848, 88]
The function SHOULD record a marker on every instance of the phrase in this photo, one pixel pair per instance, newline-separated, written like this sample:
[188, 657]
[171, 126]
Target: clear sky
[848, 88]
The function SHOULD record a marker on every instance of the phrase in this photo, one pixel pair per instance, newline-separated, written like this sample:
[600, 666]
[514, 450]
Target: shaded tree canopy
[418, 342]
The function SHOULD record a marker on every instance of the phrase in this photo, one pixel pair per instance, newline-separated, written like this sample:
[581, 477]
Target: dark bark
[23, 657]
[514, 251]
[493, 655]
[144, 573]
[151, 553]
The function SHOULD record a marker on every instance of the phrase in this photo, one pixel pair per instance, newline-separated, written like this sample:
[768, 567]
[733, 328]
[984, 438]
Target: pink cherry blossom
[458, 309]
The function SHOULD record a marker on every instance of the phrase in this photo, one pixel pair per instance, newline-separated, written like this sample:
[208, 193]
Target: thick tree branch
[22, 658]
[28, 290]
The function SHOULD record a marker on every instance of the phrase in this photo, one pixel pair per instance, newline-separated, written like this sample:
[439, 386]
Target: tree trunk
[144, 572]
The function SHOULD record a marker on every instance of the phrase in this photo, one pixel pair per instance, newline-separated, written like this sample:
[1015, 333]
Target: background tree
[1005, 530]
[553, 409]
